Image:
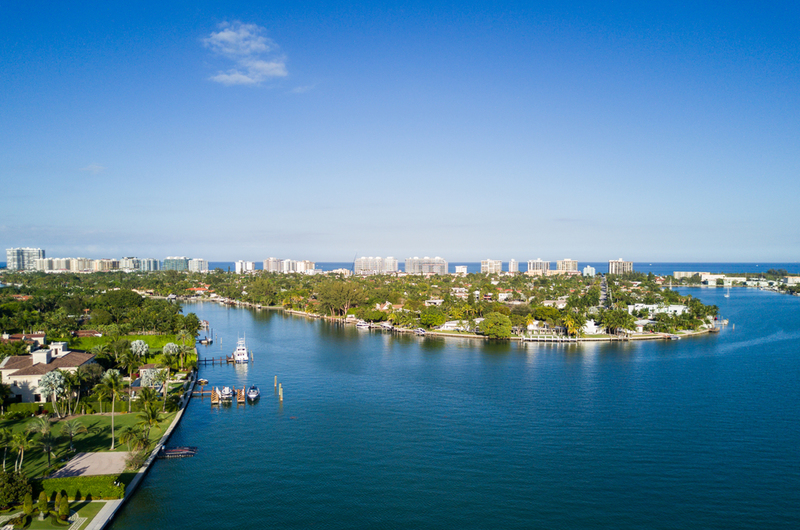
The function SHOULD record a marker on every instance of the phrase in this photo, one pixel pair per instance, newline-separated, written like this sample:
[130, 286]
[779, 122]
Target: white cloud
[302, 89]
[250, 51]
[94, 169]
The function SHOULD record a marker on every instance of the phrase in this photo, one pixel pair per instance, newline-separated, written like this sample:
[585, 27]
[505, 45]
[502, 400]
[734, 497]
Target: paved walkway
[93, 464]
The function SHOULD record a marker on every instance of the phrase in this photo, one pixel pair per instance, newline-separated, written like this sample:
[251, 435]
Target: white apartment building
[426, 265]
[513, 266]
[105, 265]
[618, 266]
[461, 270]
[20, 259]
[129, 264]
[272, 265]
[245, 266]
[567, 265]
[305, 266]
[375, 265]
[589, 271]
[491, 266]
[198, 265]
[538, 265]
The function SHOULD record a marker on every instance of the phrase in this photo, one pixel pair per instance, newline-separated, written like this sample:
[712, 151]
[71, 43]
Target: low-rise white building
[655, 309]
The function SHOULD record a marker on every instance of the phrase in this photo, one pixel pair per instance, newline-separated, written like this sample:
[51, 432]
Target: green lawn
[98, 438]
[86, 509]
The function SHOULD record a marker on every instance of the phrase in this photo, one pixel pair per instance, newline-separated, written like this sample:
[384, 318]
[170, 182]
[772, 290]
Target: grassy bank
[96, 439]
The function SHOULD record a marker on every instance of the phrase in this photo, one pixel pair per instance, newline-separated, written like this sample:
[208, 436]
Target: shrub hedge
[79, 488]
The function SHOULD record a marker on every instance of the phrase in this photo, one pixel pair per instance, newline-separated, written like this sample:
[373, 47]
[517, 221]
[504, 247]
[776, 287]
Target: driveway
[84, 464]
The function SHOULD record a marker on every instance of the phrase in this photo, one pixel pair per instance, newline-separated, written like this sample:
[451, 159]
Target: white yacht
[362, 324]
[253, 393]
[240, 354]
[226, 393]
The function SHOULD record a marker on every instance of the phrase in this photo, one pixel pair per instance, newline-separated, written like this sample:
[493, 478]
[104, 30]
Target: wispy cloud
[94, 169]
[255, 57]
[302, 89]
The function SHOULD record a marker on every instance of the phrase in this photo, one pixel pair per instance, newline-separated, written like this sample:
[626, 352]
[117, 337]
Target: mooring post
[280, 393]
[276, 381]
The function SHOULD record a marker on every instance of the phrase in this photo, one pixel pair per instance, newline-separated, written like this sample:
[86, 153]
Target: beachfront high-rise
[426, 265]
[176, 263]
[513, 266]
[491, 266]
[149, 264]
[21, 259]
[538, 265]
[198, 265]
[618, 266]
[375, 265]
[567, 265]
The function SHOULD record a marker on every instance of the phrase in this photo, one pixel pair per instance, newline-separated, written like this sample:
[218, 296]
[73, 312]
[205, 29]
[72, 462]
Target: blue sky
[243, 130]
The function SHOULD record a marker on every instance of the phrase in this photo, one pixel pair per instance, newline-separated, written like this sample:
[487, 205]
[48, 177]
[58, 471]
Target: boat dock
[549, 338]
[218, 360]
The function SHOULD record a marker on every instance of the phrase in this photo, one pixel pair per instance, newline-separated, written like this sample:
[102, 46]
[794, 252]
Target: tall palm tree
[127, 435]
[47, 443]
[40, 425]
[71, 428]
[147, 396]
[184, 351]
[80, 377]
[113, 385]
[162, 378]
[130, 362]
[149, 418]
[184, 336]
[5, 441]
[20, 441]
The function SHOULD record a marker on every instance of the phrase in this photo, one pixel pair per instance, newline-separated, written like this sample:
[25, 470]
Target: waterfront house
[23, 373]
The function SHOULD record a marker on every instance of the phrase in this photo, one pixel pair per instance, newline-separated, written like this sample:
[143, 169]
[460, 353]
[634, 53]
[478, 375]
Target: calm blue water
[382, 431]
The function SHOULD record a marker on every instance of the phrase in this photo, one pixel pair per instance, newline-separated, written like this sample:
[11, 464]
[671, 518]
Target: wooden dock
[177, 452]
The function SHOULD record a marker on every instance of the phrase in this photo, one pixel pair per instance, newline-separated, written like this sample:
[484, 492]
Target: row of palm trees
[136, 437]
[22, 440]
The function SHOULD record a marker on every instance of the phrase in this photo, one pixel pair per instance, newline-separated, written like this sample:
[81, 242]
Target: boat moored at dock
[240, 354]
[253, 393]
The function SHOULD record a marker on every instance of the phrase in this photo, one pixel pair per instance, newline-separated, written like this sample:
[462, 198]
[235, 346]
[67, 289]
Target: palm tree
[40, 425]
[128, 435]
[20, 441]
[47, 443]
[184, 351]
[130, 362]
[147, 396]
[149, 418]
[183, 336]
[71, 428]
[5, 441]
[113, 386]
[101, 394]
[162, 378]
[101, 350]
[80, 377]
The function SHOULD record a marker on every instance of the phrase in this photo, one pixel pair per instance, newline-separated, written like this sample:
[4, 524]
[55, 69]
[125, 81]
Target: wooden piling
[276, 381]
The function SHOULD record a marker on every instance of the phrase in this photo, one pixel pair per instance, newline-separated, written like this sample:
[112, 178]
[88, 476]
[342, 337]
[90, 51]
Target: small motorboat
[226, 393]
[362, 324]
[253, 393]
[419, 331]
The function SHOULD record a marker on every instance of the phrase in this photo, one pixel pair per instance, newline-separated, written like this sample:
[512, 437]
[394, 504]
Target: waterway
[386, 431]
